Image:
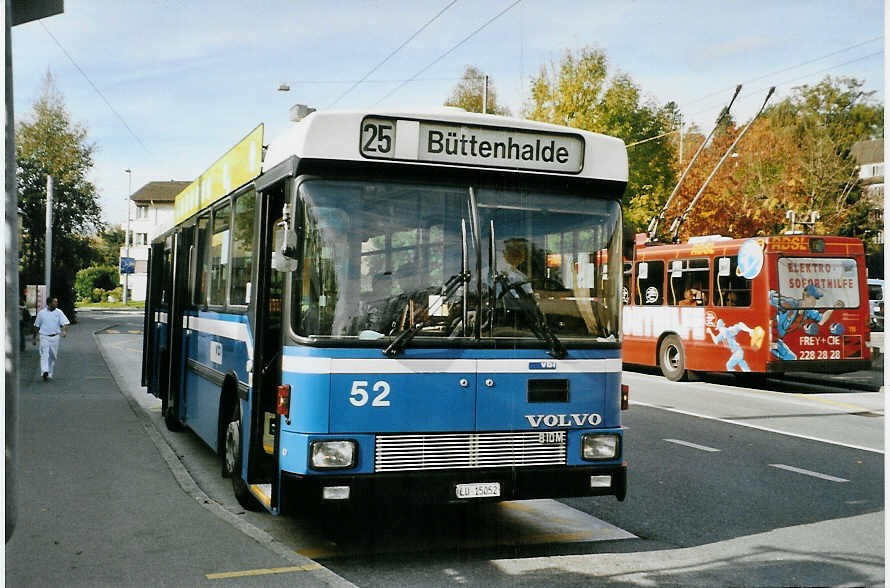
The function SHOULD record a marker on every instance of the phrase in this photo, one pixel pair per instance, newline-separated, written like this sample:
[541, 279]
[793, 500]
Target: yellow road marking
[838, 404]
[263, 572]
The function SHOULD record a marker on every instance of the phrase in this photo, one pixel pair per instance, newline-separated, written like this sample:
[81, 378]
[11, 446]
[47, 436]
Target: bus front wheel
[232, 461]
[672, 358]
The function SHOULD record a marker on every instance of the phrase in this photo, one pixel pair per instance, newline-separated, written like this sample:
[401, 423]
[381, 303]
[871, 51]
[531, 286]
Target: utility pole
[126, 268]
[48, 253]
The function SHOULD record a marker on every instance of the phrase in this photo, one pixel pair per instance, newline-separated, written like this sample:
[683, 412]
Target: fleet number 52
[358, 396]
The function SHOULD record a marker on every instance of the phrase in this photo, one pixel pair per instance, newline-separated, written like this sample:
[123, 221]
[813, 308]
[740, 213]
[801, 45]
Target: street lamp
[127, 236]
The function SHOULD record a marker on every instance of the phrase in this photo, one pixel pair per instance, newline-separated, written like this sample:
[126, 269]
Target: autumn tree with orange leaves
[795, 157]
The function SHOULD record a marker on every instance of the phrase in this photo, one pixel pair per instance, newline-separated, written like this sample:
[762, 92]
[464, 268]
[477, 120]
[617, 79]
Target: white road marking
[758, 427]
[782, 466]
[693, 445]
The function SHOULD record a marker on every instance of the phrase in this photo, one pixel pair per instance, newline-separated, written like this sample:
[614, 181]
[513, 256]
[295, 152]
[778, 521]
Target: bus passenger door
[177, 299]
[266, 316]
[152, 335]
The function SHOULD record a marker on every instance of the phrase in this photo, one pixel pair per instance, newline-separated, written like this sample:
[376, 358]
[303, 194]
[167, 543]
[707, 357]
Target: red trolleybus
[760, 305]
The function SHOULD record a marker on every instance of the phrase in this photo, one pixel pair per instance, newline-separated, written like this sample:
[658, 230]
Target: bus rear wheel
[672, 358]
[232, 461]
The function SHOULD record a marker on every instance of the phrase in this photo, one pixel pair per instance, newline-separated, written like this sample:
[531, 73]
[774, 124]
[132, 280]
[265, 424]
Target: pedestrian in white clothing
[50, 323]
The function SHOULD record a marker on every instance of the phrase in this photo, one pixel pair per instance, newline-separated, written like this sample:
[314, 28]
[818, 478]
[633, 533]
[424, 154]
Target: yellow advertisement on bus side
[239, 165]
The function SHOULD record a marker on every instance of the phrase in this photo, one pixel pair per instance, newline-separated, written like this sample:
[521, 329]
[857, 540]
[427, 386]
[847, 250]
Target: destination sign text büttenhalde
[439, 142]
[442, 142]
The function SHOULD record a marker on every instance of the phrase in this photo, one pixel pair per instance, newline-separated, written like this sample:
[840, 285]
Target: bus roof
[429, 137]
[786, 244]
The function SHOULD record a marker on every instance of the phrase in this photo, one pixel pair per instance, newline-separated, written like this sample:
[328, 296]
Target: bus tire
[170, 419]
[232, 461]
[672, 358]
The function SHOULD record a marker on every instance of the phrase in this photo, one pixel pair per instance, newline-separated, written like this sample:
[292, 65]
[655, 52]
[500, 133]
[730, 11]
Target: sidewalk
[98, 505]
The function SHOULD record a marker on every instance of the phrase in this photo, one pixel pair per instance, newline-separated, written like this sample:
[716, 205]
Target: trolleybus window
[650, 283]
[689, 282]
[730, 287]
[199, 288]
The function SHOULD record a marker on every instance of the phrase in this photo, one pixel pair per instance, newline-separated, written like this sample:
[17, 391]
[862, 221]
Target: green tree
[578, 93]
[107, 245]
[825, 120]
[468, 93]
[51, 144]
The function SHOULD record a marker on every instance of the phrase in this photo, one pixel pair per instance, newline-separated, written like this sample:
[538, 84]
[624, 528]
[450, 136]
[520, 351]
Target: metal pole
[11, 300]
[48, 259]
[485, 96]
[127, 237]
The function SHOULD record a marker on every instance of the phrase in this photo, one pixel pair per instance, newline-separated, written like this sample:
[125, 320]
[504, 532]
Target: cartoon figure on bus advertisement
[728, 335]
[793, 313]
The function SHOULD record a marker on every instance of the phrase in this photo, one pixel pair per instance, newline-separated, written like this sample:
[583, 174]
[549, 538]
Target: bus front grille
[395, 453]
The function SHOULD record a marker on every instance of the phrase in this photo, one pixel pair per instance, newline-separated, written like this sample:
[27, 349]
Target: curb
[191, 488]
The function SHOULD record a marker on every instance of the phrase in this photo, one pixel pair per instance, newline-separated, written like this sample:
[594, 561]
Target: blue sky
[190, 79]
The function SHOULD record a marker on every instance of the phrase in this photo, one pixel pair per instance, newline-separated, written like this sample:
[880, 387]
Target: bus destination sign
[441, 142]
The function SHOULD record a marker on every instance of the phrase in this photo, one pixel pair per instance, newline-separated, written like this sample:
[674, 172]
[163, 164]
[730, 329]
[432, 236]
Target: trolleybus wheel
[170, 419]
[232, 461]
[672, 358]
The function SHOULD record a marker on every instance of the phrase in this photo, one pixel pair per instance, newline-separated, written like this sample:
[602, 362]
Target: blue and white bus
[398, 306]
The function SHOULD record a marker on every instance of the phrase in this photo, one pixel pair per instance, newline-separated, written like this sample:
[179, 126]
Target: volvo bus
[764, 305]
[398, 306]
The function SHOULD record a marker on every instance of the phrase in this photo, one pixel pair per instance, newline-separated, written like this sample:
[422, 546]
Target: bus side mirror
[284, 256]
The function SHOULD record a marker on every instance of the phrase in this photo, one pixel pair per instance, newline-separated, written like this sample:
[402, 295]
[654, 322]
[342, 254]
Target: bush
[94, 278]
[115, 295]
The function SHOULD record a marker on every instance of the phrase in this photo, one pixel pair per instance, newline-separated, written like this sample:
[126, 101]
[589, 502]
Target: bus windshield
[380, 257]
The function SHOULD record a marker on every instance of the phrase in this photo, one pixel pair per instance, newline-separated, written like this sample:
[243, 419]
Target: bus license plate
[478, 490]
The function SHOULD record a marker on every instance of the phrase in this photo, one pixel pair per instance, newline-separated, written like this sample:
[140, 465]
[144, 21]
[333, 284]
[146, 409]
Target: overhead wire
[755, 92]
[441, 57]
[783, 70]
[388, 57]
[97, 90]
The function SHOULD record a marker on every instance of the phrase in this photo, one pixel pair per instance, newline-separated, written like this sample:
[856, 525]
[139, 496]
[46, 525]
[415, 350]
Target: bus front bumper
[438, 487]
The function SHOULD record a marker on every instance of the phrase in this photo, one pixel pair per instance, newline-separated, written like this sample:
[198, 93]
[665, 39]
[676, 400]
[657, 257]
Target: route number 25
[358, 396]
[377, 138]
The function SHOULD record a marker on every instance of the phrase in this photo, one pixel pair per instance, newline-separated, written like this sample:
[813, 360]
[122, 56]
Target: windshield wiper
[448, 289]
[528, 306]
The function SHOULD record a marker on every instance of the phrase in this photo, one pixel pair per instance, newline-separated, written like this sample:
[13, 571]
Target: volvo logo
[564, 420]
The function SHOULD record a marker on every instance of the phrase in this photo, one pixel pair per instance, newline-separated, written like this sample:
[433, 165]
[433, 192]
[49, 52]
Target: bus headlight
[596, 447]
[332, 455]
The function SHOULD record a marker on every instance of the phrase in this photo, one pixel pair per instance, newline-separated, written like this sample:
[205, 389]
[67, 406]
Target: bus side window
[730, 289]
[219, 256]
[242, 248]
[650, 283]
[202, 244]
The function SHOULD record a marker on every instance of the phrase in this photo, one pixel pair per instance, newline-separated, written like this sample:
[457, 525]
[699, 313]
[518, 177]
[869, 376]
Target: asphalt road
[716, 497]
